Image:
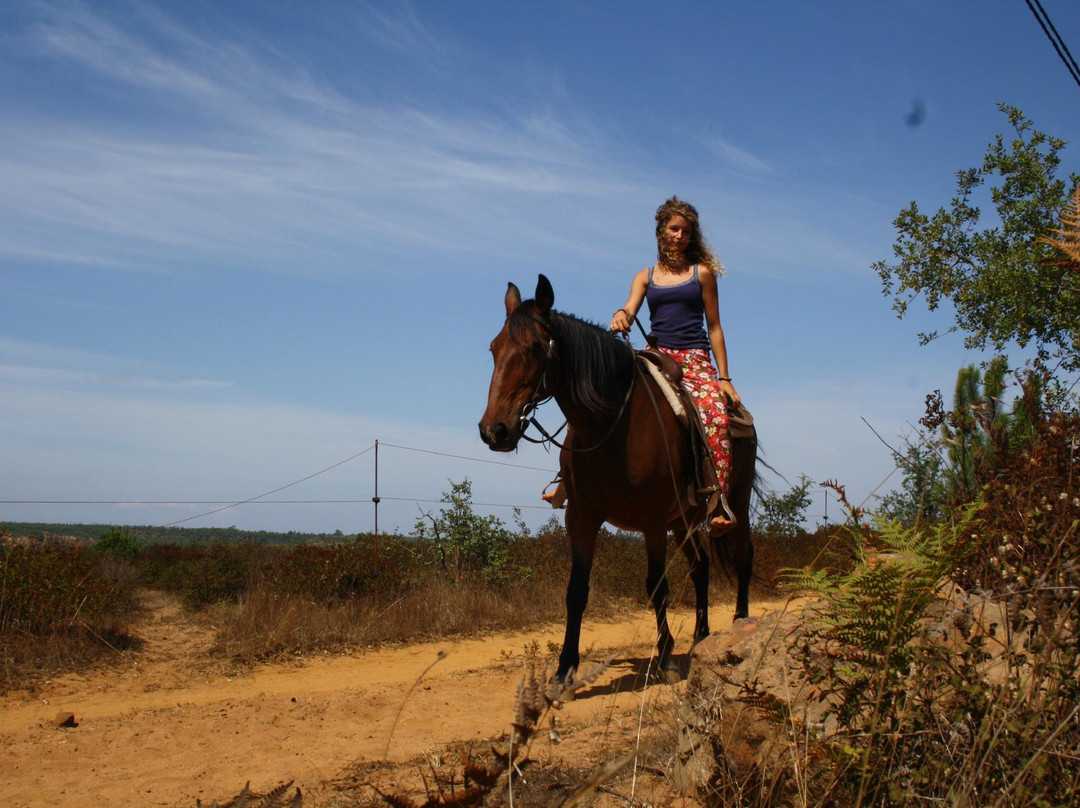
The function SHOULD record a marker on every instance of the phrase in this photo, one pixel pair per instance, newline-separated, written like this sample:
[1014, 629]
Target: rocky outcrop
[746, 705]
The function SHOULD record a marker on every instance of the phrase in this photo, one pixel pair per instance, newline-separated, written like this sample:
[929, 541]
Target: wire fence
[220, 505]
[260, 499]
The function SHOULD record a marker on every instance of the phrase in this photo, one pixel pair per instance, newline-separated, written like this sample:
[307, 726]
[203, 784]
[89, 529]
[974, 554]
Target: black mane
[590, 363]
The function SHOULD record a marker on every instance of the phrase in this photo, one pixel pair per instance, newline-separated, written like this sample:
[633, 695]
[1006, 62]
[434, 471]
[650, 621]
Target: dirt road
[165, 729]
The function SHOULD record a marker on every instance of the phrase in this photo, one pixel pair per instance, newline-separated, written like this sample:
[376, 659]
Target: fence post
[375, 499]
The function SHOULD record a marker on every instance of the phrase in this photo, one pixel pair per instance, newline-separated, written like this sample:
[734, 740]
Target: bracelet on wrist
[723, 378]
[624, 311]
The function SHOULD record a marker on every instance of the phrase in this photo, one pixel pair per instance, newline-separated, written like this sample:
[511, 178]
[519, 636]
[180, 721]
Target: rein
[527, 417]
[549, 438]
[536, 400]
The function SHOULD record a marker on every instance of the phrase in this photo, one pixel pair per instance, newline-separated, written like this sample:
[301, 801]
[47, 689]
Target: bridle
[538, 398]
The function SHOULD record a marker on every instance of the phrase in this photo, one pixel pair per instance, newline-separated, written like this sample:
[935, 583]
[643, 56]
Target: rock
[742, 682]
[65, 720]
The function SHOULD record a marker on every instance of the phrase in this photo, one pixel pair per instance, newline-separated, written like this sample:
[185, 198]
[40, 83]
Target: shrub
[783, 515]
[57, 608]
[44, 588]
[467, 542]
[960, 694]
[203, 574]
[118, 543]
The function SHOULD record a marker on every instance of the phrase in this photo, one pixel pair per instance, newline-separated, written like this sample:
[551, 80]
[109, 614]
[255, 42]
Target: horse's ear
[512, 299]
[545, 295]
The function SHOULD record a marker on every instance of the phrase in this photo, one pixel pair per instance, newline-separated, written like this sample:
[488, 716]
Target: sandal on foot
[556, 497]
[719, 525]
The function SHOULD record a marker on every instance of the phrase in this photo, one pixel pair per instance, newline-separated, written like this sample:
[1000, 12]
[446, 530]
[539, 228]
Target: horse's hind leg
[697, 559]
[656, 585]
[742, 556]
[744, 458]
[582, 534]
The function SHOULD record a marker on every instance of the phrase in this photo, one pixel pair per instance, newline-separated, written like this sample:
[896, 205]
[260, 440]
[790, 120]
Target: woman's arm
[707, 279]
[623, 318]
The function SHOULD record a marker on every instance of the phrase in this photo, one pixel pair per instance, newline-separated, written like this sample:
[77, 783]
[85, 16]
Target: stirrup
[557, 496]
[717, 527]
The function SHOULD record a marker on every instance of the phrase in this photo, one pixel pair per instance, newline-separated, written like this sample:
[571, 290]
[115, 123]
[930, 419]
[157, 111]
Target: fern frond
[469, 798]
[1066, 239]
[486, 776]
[394, 800]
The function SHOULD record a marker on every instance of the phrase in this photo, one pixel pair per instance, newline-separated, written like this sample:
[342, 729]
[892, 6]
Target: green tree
[921, 498]
[1001, 277]
[118, 543]
[467, 542]
[783, 515]
[976, 427]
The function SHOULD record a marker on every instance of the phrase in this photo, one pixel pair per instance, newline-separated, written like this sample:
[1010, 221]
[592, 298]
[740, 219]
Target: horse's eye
[536, 349]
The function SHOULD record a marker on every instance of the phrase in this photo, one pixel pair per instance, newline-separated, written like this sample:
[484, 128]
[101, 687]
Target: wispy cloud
[69, 378]
[272, 166]
[75, 32]
[737, 159]
[262, 178]
[400, 30]
[35, 365]
[228, 153]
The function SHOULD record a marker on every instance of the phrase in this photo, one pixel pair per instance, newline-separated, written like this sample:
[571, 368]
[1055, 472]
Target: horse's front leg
[581, 531]
[697, 559]
[656, 585]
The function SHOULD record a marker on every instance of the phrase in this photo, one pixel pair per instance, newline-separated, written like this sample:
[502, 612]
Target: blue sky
[240, 242]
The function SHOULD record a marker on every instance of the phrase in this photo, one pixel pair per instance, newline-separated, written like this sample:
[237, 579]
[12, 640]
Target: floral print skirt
[699, 377]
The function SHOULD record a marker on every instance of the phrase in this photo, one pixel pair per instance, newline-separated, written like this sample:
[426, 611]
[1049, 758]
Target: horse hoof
[667, 673]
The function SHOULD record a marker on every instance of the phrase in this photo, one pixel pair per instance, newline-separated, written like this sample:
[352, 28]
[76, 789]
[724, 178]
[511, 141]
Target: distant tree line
[149, 534]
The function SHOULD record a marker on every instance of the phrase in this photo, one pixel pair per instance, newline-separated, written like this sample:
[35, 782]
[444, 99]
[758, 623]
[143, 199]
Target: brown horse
[627, 459]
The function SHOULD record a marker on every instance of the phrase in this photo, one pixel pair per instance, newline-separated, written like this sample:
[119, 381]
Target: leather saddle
[740, 425]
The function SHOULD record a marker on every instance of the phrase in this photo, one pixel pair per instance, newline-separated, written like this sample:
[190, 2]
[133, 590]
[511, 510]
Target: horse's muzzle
[500, 437]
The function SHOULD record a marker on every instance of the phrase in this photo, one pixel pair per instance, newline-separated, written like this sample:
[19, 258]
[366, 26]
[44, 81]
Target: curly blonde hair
[697, 251]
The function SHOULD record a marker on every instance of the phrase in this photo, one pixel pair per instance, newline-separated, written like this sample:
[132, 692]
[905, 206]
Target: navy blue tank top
[677, 314]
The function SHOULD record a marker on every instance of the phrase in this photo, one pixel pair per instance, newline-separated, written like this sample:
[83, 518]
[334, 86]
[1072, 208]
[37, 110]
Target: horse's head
[522, 351]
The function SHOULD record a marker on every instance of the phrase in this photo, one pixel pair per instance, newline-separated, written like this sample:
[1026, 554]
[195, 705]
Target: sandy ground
[165, 729]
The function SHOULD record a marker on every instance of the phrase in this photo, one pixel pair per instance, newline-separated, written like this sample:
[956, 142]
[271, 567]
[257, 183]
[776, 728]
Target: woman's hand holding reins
[728, 389]
[621, 321]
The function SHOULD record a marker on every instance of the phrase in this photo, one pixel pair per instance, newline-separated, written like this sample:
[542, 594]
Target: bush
[783, 515]
[204, 574]
[58, 608]
[118, 543]
[45, 588]
[960, 694]
[466, 542]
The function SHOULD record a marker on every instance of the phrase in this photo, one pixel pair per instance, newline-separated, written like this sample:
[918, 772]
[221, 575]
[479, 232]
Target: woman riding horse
[628, 458]
[680, 289]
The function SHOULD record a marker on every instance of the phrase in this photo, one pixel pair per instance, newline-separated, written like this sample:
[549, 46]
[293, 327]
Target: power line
[232, 503]
[268, 493]
[1055, 39]
[462, 457]
[259, 499]
[178, 502]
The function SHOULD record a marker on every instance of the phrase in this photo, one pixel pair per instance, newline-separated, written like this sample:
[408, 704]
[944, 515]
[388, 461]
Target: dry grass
[61, 609]
[268, 625]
